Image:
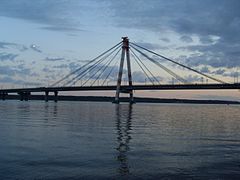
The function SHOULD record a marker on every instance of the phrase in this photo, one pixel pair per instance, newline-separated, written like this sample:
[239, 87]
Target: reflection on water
[55, 110]
[83, 140]
[123, 124]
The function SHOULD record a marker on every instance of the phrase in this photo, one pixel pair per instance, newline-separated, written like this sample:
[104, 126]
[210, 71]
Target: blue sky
[43, 40]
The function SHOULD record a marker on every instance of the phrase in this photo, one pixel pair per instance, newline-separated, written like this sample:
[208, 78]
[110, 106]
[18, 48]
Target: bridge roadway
[126, 88]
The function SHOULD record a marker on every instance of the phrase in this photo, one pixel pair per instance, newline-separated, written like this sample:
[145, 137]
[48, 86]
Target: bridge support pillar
[46, 96]
[129, 74]
[125, 52]
[55, 96]
[26, 95]
[3, 95]
[21, 94]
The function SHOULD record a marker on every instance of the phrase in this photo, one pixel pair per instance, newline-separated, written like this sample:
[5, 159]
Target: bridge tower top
[125, 41]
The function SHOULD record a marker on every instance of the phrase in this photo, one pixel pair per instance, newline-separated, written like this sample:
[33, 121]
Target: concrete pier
[55, 96]
[46, 96]
[3, 95]
[24, 96]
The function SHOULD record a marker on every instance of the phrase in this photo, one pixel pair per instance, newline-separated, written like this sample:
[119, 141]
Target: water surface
[86, 140]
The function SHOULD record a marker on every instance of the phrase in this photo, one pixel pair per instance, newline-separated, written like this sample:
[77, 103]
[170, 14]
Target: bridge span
[24, 93]
[127, 88]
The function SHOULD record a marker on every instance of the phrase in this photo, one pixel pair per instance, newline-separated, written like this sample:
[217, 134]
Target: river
[89, 140]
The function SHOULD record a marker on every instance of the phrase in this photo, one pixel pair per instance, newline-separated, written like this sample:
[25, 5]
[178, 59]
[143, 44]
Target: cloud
[54, 59]
[234, 74]
[203, 19]
[193, 78]
[47, 70]
[6, 70]
[16, 70]
[22, 70]
[5, 45]
[166, 40]
[61, 66]
[205, 69]
[151, 46]
[186, 39]
[219, 71]
[216, 55]
[139, 76]
[73, 66]
[53, 15]
[7, 56]
[206, 40]
[11, 80]
[64, 29]
[35, 48]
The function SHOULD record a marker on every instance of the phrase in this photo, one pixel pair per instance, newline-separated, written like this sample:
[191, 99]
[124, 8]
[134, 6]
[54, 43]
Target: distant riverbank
[123, 99]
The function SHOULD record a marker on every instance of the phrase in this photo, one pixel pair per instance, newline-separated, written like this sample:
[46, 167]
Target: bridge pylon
[125, 54]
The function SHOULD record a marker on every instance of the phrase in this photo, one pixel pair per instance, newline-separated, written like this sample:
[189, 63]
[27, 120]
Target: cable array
[103, 67]
[135, 46]
[83, 72]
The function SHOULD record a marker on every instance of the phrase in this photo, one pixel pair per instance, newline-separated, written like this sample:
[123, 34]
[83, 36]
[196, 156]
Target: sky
[42, 41]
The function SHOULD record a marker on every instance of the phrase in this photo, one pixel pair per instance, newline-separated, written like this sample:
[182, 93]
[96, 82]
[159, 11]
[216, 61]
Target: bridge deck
[126, 88]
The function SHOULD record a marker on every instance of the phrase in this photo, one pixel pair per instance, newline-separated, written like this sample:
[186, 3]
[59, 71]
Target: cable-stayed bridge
[97, 73]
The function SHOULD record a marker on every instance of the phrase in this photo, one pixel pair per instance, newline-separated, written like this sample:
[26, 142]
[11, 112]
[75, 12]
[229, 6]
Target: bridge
[97, 70]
